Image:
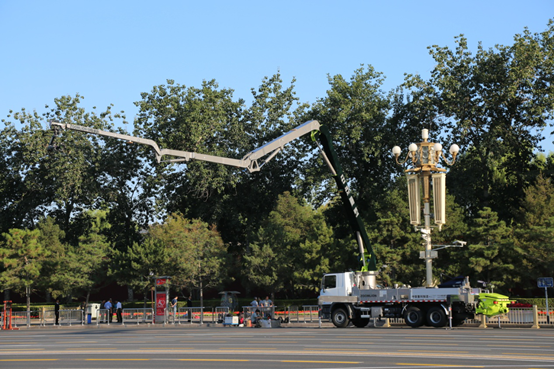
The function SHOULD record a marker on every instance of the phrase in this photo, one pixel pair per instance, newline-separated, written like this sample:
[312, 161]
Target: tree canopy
[80, 211]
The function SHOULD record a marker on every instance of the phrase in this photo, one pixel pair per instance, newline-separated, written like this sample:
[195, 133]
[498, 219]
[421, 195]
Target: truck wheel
[340, 318]
[413, 317]
[360, 322]
[436, 317]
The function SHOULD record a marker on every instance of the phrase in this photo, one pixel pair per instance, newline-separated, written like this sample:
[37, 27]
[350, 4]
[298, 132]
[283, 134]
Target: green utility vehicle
[491, 304]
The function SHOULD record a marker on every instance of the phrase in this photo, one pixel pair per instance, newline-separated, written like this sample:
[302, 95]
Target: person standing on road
[118, 311]
[108, 307]
[57, 312]
[254, 317]
[254, 302]
[189, 305]
[267, 302]
[174, 306]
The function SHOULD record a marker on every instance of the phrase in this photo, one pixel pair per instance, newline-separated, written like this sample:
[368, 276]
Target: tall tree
[51, 236]
[21, 258]
[534, 235]
[85, 266]
[492, 251]
[203, 120]
[58, 180]
[495, 104]
[355, 113]
[273, 112]
[196, 255]
[138, 264]
[290, 250]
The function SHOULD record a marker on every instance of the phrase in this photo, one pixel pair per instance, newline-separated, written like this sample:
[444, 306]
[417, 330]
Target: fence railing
[44, 317]
[522, 316]
[138, 316]
[303, 314]
[197, 315]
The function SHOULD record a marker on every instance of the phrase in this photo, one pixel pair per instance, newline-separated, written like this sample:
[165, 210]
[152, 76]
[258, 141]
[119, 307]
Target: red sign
[161, 281]
[161, 303]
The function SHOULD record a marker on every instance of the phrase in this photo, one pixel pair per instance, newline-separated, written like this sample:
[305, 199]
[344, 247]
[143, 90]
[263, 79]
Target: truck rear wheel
[436, 317]
[413, 316]
[340, 318]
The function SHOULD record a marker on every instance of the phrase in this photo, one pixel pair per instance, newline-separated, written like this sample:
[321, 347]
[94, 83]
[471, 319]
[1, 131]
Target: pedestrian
[189, 305]
[108, 307]
[119, 311]
[254, 302]
[254, 317]
[267, 302]
[57, 312]
[174, 306]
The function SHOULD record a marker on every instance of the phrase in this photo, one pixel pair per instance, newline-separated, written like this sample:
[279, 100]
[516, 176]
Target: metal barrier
[137, 316]
[311, 312]
[220, 314]
[519, 316]
[308, 314]
[293, 314]
[67, 317]
[104, 316]
[21, 318]
[543, 319]
[265, 312]
[198, 315]
[183, 315]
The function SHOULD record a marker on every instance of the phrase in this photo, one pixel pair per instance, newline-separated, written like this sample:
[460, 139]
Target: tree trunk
[130, 294]
[28, 295]
[201, 303]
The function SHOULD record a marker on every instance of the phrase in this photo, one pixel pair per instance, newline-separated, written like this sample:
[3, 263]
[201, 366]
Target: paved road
[299, 347]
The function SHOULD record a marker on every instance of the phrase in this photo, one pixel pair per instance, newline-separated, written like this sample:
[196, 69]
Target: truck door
[329, 285]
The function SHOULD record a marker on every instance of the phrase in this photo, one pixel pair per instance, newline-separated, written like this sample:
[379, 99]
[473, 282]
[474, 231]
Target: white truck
[348, 297]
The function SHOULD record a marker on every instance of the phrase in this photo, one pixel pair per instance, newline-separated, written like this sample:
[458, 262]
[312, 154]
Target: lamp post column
[426, 230]
[424, 157]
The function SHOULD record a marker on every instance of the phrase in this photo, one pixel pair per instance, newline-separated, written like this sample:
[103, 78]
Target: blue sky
[111, 51]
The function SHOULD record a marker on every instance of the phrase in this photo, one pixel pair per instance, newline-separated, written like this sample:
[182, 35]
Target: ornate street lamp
[424, 157]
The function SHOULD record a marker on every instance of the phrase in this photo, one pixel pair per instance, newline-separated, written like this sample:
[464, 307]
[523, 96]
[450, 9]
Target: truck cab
[337, 284]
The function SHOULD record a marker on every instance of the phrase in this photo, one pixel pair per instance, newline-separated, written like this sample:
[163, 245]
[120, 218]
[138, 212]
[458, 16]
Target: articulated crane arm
[250, 162]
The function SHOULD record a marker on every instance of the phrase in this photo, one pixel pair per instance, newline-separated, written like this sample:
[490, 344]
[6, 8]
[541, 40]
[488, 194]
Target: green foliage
[495, 104]
[355, 113]
[195, 254]
[493, 255]
[288, 253]
[51, 236]
[396, 244]
[21, 257]
[534, 237]
[84, 265]
[82, 213]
